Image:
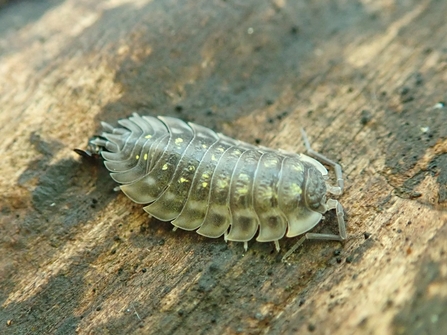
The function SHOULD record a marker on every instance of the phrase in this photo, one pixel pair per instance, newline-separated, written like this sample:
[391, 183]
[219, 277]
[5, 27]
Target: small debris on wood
[178, 108]
[365, 117]
[269, 102]
[311, 327]
[294, 30]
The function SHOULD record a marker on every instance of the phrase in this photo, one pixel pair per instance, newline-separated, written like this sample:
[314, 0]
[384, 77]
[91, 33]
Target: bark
[365, 79]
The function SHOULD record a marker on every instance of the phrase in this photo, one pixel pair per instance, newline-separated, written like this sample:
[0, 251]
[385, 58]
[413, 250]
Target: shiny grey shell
[199, 179]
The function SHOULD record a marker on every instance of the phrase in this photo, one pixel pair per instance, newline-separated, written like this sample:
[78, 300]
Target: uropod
[205, 181]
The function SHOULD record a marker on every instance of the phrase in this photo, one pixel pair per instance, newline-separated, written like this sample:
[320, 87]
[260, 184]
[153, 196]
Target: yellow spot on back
[165, 167]
[242, 190]
[178, 140]
[204, 184]
[213, 158]
[270, 163]
[265, 193]
[243, 177]
[192, 168]
[205, 176]
[145, 157]
[295, 188]
[222, 183]
[220, 149]
[183, 180]
[148, 136]
[298, 167]
[204, 146]
[137, 157]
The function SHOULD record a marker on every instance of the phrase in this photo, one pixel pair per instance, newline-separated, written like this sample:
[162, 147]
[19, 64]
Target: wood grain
[365, 79]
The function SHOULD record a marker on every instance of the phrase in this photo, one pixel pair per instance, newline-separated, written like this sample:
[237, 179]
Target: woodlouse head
[315, 190]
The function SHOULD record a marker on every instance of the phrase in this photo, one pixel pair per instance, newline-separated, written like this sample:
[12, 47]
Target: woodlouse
[202, 180]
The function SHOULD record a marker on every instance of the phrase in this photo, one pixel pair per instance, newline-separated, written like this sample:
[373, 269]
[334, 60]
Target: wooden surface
[366, 80]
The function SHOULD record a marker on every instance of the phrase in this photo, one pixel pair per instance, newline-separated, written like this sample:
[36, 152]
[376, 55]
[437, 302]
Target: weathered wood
[365, 79]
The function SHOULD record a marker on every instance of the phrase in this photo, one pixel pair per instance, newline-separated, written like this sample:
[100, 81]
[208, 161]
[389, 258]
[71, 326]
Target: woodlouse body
[205, 181]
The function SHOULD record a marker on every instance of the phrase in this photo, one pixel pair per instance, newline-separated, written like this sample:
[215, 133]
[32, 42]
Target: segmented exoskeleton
[199, 179]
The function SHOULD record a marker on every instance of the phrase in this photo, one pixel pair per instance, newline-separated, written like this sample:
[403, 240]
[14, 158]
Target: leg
[337, 190]
[330, 204]
[277, 246]
[245, 242]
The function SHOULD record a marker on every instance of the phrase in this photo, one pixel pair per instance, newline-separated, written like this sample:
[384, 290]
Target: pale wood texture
[366, 79]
